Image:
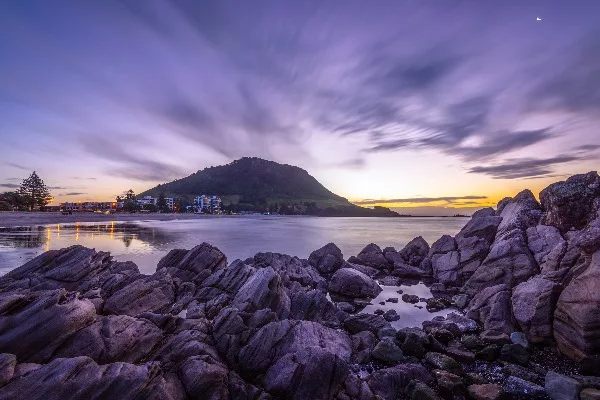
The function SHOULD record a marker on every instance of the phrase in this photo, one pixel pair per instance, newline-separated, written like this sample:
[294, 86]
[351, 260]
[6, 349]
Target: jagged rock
[277, 339]
[576, 320]
[82, 378]
[443, 362]
[35, 324]
[588, 239]
[371, 256]
[523, 389]
[291, 269]
[391, 315]
[495, 337]
[421, 391]
[450, 385]
[524, 373]
[533, 304]
[461, 355]
[560, 387]
[570, 204]
[352, 283]
[263, 290]
[112, 338]
[547, 245]
[489, 353]
[227, 280]
[25, 368]
[154, 293]
[314, 306]
[443, 335]
[492, 307]
[387, 350]
[365, 322]
[509, 261]
[355, 388]
[472, 342]
[519, 338]
[7, 367]
[443, 245]
[590, 394]
[363, 344]
[204, 379]
[310, 373]
[389, 383]
[327, 259]
[410, 298]
[414, 345]
[489, 391]
[193, 265]
[514, 353]
[415, 251]
[446, 267]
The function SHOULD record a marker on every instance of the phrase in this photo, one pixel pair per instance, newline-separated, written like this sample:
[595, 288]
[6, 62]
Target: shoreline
[17, 219]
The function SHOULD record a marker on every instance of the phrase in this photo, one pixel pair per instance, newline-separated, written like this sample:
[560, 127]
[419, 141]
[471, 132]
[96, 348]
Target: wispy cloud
[10, 185]
[423, 200]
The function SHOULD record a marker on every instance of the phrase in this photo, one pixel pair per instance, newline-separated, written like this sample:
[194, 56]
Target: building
[89, 206]
[207, 204]
[142, 201]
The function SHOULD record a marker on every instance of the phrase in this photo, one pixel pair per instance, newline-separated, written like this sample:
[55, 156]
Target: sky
[427, 107]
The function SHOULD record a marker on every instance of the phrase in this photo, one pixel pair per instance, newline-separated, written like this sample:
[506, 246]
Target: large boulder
[35, 324]
[193, 265]
[548, 247]
[577, 315]
[349, 282]
[415, 251]
[263, 290]
[327, 259]
[390, 383]
[571, 204]
[82, 378]
[371, 256]
[492, 307]
[533, 304]
[309, 373]
[292, 270]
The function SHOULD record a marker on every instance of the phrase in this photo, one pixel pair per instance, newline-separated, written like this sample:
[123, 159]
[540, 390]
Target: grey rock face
[310, 373]
[570, 204]
[443, 362]
[193, 265]
[389, 383]
[533, 304]
[560, 387]
[7, 367]
[34, 325]
[371, 256]
[365, 322]
[292, 270]
[492, 307]
[520, 388]
[443, 245]
[387, 350]
[263, 290]
[327, 259]
[352, 283]
[576, 319]
[415, 251]
[547, 245]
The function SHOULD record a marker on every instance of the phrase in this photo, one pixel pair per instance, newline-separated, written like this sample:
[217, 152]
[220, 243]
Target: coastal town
[203, 204]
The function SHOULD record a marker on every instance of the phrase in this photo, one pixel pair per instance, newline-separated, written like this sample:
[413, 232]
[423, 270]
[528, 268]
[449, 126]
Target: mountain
[254, 184]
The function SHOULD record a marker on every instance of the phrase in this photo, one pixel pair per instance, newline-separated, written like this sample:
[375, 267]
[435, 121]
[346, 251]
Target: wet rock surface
[74, 323]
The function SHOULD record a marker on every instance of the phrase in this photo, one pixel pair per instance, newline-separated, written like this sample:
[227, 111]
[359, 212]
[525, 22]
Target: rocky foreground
[75, 324]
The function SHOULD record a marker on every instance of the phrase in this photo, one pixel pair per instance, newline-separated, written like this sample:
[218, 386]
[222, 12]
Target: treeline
[32, 195]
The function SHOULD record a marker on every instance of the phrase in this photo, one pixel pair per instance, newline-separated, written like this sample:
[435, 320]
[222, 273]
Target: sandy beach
[9, 219]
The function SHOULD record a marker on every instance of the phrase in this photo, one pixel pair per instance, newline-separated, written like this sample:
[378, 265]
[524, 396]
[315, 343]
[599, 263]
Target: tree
[130, 205]
[12, 201]
[162, 203]
[34, 192]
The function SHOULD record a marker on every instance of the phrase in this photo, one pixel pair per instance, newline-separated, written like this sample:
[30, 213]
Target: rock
[588, 239]
[363, 344]
[7, 367]
[461, 355]
[576, 320]
[443, 335]
[315, 306]
[327, 259]
[35, 324]
[472, 342]
[450, 385]
[391, 315]
[494, 337]
[112, 338]
[410, 298]
[514, 353]
[386, 332]
[387, 350]
[310, 373]
[420, 391]
[590, 394]
[413, 345]
[443, 245]
[509, 261]
[519, 338]
[154, 293]
[492, 307]
[523, 389]
[389, 383]
[488, 391]
[371, 256]
[346, 307]
[81, 377]
[204, 378]
[570, 204]
[415, 251]
[463, 323]
[560, 387]
[590, 365]
[440, 361]
[489, 353]
[461, 301]
[276, 339]
[446, 267]
[392, 300]
[193, 265]
[365, 322]
[526, 374]
[434, 305]
[533, 304]
[24, 369]
[352, 283]
[292, 270]
[263, 290]
[547, 245]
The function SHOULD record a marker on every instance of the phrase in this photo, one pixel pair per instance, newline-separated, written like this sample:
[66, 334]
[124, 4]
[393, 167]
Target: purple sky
[439, 103]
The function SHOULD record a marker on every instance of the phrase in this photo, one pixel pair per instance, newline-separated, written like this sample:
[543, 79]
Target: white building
[147, 200]
[211, 203]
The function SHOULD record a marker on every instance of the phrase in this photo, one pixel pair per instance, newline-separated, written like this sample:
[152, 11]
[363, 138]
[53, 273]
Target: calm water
[146, 242]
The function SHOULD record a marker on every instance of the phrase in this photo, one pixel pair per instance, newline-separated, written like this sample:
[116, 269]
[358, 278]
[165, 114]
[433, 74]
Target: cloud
[72, 194]
[10, 185]
[57, 187]
[84, 178]
[18, 166]
[423, 200]
[524, 167]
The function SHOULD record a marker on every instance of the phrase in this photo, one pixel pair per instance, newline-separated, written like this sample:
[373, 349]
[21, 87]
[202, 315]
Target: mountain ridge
[255, 184]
